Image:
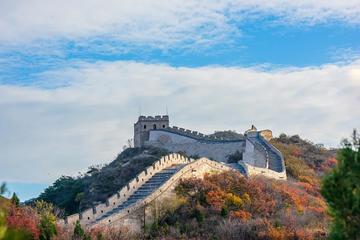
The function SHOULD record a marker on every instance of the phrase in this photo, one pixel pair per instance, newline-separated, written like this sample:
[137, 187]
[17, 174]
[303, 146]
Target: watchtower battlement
[152, 118]
[145, 124]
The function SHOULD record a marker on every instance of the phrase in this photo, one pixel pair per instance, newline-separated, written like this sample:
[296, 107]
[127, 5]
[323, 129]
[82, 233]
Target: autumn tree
[341, 189]
[47, 224]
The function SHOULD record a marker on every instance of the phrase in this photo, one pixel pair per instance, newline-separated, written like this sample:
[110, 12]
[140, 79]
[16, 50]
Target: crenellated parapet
[154, 118]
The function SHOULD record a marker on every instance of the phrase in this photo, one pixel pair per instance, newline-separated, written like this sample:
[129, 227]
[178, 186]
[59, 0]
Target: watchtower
[145, 124]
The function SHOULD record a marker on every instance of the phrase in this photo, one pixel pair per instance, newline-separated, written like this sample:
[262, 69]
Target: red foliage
[25, 219]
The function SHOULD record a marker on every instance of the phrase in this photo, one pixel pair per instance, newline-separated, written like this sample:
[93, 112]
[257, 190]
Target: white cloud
[156, 23]
[46, 132]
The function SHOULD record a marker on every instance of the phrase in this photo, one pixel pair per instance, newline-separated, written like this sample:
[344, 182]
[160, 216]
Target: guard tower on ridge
[145, 124]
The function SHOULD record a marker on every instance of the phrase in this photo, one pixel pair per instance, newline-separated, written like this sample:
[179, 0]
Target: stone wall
[256, 160]
[191, 135]
[253, 171]
[167, 137]
[214, 149]
[253, 155]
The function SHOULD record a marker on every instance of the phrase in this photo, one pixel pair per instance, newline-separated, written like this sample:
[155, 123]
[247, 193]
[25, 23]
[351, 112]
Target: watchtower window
[144, 126]
[163, 126]
[154, 127]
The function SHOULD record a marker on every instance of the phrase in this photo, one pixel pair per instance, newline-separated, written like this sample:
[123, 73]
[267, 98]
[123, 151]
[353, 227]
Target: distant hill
[227, 135]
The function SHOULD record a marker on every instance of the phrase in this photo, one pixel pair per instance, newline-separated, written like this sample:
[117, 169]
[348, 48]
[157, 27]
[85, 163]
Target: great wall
[158, 181]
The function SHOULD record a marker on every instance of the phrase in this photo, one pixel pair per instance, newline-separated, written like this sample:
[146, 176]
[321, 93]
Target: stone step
[146, 189]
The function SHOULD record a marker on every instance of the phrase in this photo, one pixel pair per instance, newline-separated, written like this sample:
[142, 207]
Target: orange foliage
[243, 215]
[309, 179]
[328, 164]
[277, 233]
[216, 199]
[288, 210]
[311, 189]
[331, 162]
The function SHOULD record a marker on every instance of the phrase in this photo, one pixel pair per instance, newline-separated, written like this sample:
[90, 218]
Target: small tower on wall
[145, 124]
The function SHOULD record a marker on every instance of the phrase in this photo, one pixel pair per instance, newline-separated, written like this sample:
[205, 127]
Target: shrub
[23, 219]
[235, 157]
[199, 215]
[224, 212]
[47, 225]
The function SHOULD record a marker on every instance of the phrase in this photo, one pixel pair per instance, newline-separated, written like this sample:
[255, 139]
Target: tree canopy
[341, 189]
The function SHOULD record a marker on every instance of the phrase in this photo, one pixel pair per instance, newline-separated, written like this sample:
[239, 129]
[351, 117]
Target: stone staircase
[273, 158]
[275, 161]
[146, 189]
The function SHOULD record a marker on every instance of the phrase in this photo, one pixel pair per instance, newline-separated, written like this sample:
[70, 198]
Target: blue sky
[259, 43]
[74, 74]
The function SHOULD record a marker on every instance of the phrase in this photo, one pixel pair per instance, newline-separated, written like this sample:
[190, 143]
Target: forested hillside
[229, 206]
[304, 160]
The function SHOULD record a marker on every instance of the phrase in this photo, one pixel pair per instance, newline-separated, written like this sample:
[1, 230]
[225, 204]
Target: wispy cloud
[345, 55]
[159, 24]
[46, 132]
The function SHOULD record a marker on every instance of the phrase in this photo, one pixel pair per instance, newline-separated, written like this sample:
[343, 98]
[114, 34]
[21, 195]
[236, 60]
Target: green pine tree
[341, 189]
[15, 200]
[79, 232]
